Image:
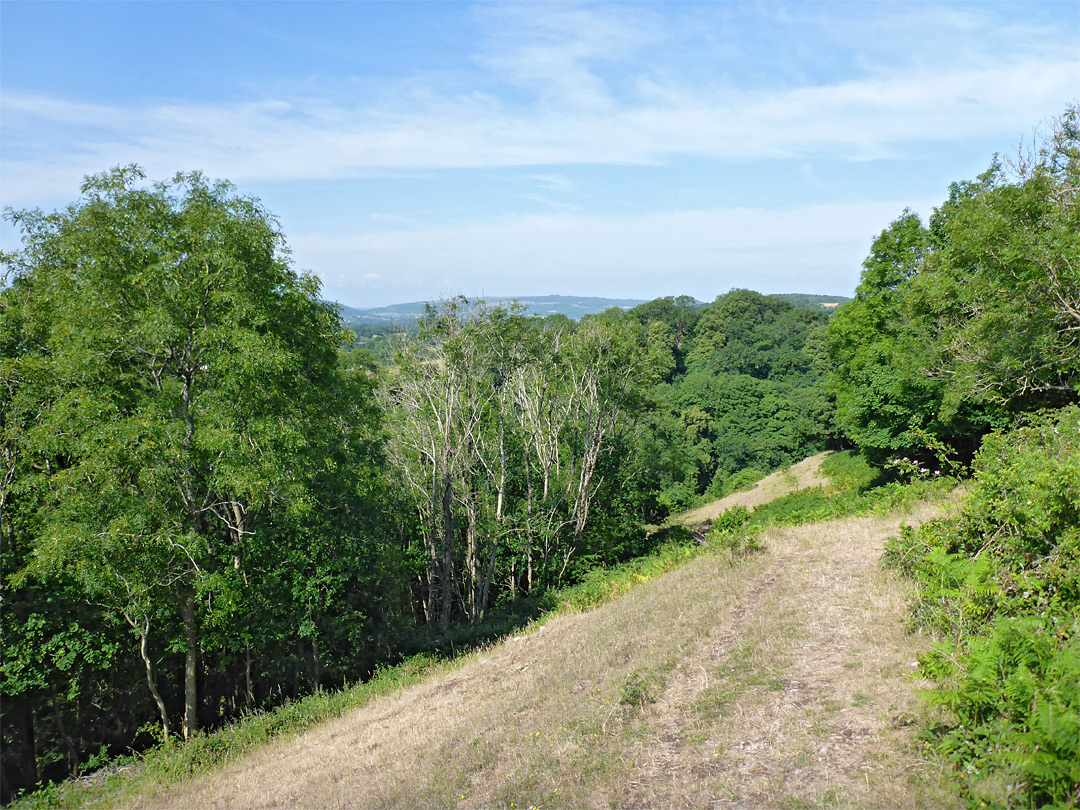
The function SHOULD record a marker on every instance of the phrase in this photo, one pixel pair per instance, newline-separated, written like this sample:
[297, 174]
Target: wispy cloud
[554, 49]
[284, 139]
[551, 182]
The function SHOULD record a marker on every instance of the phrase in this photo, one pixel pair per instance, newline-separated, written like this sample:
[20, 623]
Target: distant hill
[569, 305]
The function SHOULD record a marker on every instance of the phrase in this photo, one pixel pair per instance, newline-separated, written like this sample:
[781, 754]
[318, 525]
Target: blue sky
[632, 150]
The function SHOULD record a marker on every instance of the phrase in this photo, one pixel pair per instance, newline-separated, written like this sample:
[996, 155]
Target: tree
[1008, 260]
[680, 315]
[958, 327]
[188, 368]
[499, 425]
[435, 402]
[883, 346]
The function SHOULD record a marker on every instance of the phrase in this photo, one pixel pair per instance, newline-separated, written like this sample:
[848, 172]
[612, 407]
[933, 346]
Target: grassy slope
[804, 475]
[783, 681]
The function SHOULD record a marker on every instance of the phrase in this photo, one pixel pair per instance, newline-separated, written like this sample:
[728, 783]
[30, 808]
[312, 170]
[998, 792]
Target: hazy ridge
[569, 305]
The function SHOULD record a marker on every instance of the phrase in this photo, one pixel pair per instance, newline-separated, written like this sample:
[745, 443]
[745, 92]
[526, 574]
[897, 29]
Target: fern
[1001, 585]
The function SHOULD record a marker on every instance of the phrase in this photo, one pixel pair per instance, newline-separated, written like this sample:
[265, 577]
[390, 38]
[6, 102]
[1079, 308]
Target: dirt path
[781, 682]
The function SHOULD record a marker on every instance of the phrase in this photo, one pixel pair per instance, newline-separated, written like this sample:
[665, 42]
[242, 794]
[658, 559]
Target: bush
[742, 481]
[729, 532]
[850, 469]
[1001, 584]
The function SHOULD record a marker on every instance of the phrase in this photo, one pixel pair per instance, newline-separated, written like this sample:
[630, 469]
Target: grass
[603, 695]
[855, 488]
[175, 761]
[745, 668]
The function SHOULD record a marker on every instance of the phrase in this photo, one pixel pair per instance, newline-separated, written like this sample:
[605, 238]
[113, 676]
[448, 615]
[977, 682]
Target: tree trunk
[249, 695]
[485, 589]
[191, 662]
[502, 462]
[144, 631]
[19, 769]
[472, 559]
[446, 575]
[432, 540]
[296, 668]
[72, 754]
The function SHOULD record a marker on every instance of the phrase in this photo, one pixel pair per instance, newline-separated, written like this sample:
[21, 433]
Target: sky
[417, 150]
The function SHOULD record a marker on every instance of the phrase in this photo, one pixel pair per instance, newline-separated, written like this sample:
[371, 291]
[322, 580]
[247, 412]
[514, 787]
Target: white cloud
[551, 182]
[553, 48]
[300, 138]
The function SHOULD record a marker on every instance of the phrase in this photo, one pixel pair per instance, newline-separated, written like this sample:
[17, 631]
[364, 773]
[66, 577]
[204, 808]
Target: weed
[636, 691]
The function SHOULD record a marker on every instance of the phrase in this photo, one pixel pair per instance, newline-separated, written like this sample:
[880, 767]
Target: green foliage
[822, 303]
[746, 333]
[850, 469]
[881, 348]
[636, 691]
[1001, 585]
[174, 409]
[737, 482]
[678, 316]
[729, 533]
[1007, 261]
[957, 326]
[375, 338]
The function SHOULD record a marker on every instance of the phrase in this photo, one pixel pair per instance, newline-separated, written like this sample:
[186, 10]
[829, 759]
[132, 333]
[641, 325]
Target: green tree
[744, 332]
[957, 327]
[680, 315]
[1007, 261]
[187, 369]
[885, 349]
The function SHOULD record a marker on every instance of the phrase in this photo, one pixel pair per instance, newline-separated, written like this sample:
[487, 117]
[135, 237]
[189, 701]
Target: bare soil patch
[784, 681]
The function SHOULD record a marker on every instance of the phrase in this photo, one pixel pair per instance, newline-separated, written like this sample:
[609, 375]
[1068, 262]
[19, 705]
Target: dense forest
[215, 498]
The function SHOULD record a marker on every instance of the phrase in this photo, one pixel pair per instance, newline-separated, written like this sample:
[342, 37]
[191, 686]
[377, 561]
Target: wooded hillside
[214, 501]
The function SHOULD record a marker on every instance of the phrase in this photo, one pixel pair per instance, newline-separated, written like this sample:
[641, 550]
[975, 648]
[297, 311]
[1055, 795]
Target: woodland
[216, 498]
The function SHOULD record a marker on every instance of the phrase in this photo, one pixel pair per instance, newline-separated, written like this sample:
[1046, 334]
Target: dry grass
[803, 475]
[783, 682]
[805, 699]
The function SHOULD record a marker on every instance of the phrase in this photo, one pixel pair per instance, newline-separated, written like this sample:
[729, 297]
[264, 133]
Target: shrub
[1001, 584]
[729, 533]
[742, 480]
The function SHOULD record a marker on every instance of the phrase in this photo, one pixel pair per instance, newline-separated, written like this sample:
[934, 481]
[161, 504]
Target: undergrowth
[1000, 584]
